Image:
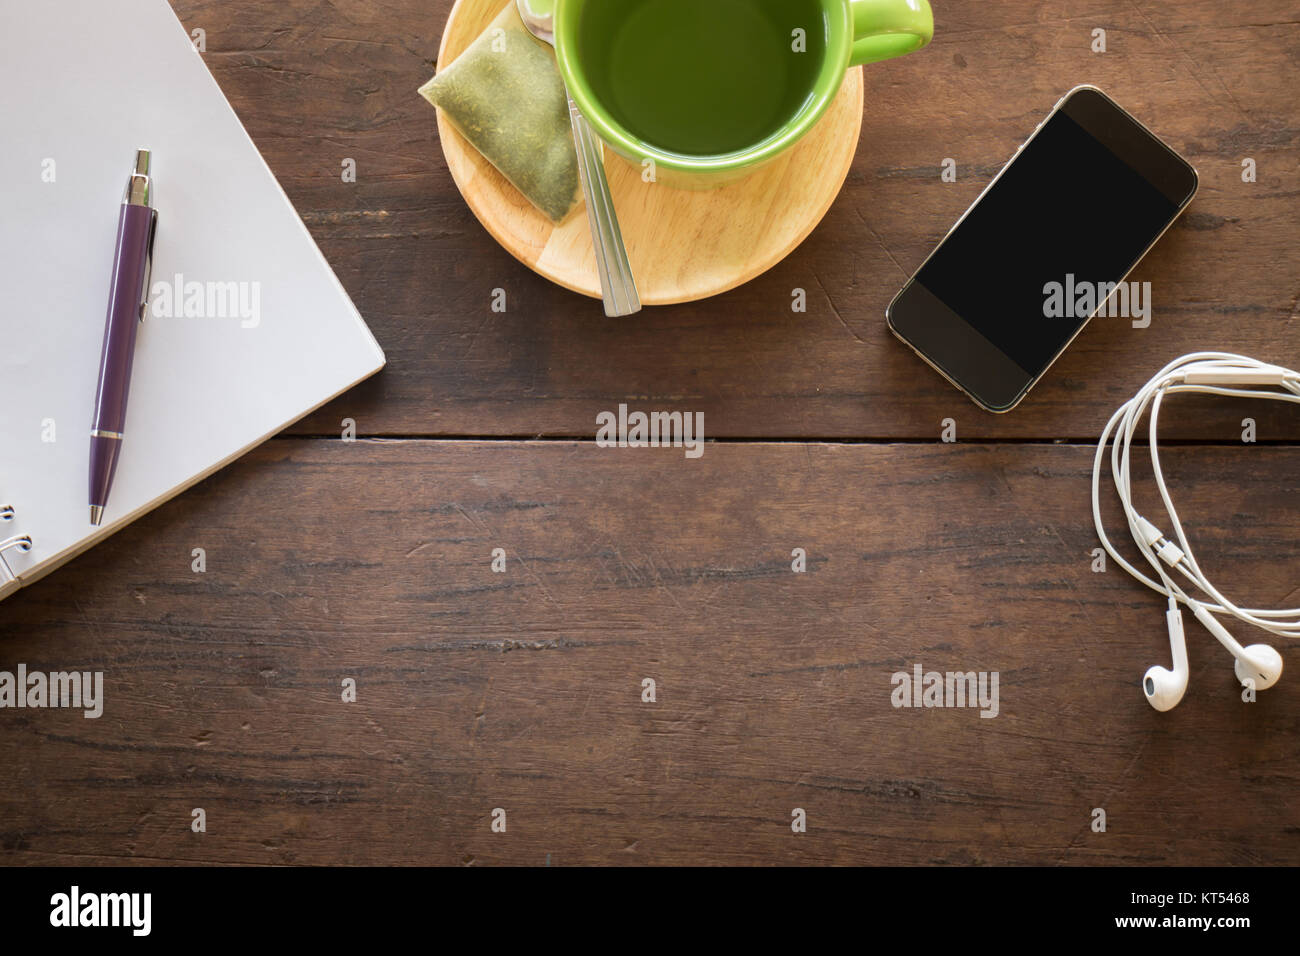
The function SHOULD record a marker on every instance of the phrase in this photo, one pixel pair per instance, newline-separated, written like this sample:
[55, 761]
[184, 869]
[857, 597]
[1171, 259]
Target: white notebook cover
[83, 84]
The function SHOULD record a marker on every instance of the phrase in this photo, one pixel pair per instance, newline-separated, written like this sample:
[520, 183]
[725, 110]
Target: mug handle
[883, 29]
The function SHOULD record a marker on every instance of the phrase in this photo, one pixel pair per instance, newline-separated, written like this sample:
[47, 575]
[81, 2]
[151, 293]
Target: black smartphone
[1047, 244]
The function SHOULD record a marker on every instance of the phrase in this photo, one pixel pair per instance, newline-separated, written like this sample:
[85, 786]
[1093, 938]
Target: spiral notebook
[247, 329]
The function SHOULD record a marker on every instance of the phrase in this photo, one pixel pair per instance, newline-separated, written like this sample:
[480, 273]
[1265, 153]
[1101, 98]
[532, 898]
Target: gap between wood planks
[789, 440]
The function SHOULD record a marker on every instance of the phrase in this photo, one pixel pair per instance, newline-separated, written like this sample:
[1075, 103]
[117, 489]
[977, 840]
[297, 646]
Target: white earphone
[1215, 373]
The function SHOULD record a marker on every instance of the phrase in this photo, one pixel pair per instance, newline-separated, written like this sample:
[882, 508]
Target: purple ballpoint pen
[127, 298]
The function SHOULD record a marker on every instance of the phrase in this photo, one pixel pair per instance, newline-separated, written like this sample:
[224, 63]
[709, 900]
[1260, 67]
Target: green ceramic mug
[711, 89]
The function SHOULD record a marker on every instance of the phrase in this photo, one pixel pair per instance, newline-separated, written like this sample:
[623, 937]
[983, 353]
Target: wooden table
[523, 690]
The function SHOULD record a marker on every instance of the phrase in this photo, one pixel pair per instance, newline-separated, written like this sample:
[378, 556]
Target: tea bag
[505, 95]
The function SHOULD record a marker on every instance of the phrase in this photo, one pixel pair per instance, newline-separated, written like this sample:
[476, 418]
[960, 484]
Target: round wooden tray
[684, 244]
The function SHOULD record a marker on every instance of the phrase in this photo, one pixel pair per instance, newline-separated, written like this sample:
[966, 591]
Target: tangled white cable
[1216, 373]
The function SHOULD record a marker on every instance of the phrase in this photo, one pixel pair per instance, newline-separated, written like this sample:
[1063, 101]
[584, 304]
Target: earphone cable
[1214, 373]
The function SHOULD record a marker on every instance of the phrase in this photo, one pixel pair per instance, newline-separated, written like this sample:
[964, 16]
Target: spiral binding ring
[22, 543]
[6, 512]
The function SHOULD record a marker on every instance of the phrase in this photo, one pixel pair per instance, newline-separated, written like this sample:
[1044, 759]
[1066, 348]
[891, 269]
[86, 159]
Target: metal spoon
[617, 286]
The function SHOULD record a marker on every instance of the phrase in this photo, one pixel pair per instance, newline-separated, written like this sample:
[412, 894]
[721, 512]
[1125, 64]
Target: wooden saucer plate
[683, 244]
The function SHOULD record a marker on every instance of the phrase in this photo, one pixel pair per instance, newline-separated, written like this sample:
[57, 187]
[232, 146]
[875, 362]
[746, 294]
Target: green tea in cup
[702, 77]
[710, 89]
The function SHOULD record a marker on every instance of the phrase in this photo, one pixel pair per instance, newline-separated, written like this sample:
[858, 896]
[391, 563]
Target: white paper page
[83, 84]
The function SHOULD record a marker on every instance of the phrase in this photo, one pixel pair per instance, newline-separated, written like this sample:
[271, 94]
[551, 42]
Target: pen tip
[96, 514]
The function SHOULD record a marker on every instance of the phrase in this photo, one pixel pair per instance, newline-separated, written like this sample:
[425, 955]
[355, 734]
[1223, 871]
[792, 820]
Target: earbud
[1177, 575]
[1259, 664]
[1165, 688]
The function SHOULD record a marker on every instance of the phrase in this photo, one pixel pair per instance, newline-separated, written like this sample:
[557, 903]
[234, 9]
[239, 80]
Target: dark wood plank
[318, 82]
[521, 690]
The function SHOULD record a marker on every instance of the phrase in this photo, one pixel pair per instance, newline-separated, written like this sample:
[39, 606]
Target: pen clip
[148, 264]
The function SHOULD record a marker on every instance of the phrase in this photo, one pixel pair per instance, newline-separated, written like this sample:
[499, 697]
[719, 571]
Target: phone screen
[1027, 266]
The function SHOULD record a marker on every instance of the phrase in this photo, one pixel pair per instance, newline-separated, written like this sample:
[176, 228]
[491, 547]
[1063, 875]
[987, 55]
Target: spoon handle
[617, 286]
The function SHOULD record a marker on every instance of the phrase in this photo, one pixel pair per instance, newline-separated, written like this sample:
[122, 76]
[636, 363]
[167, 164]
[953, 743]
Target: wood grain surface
[522, 690]
[318, 82]
[684, 244]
